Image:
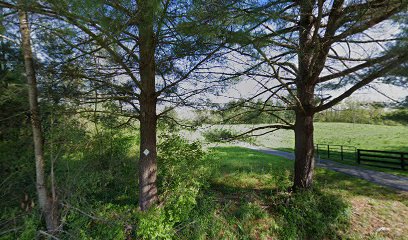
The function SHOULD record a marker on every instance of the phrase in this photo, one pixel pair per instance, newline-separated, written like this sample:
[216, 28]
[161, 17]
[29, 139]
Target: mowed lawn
[362, 136]
[251, 201]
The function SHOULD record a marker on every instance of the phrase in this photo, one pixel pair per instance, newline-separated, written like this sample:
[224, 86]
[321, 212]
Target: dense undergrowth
[97, 188]
[221, 193]
[96, 181]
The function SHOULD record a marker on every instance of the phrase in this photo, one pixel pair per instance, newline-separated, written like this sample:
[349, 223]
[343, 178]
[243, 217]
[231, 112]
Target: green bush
[183, 171]
[371, 115]
[30, 225]
[219, 135]
[18, 224]
[96, 175]
[400, 116]
[103, 221]
[101, 168]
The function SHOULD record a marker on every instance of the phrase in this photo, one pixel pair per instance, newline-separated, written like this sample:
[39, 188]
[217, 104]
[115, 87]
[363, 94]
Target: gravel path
[381, 178]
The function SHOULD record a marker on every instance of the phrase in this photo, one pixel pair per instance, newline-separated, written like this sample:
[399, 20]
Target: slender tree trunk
[148, 117]
[47, 204]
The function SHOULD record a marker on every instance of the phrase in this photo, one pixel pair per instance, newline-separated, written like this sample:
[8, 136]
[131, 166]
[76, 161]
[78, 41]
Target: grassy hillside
[364, 136]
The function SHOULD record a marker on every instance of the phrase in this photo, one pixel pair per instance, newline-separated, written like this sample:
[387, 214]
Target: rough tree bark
[148, 116]
[313, 52]
[47, 204]
[305, 84]
[304, 146]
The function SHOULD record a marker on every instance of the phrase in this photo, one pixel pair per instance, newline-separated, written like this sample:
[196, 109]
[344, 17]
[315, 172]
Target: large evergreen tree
[300, 48]
[332, 43]
[142, 58]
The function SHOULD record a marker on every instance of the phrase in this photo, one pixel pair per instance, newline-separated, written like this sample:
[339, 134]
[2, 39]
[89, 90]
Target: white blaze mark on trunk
[146, 152]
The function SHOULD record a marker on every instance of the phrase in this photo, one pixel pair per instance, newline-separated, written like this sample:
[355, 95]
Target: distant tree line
[244, 112]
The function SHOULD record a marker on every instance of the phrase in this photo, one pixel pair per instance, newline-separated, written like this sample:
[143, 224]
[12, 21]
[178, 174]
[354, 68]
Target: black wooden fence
[336, 152]
[350, 154]
[386, 159]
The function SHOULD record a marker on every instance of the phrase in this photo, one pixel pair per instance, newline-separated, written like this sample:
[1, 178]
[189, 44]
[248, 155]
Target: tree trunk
[305, 86]
[47, 205]
[148, 156]
[304, 146]
[304, 150]
[148, 117]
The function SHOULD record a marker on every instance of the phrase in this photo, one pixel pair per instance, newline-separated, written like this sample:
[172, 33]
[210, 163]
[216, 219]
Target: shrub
[400, 116]
[101, 169]
[219, 135]
[102, 221]
[183, 171]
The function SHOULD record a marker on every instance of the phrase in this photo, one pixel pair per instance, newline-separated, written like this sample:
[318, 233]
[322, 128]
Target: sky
[374, 92]
[244, 89]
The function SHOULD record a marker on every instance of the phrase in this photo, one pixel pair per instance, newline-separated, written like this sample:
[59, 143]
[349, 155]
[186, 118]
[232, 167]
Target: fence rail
[342, 152]
[375, 158]
[386, 159]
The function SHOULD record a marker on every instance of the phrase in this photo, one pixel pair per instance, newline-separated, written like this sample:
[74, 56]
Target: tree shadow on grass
[261, 180]
[254, 177]
[357, 187]
[310, 214]
[236, 160]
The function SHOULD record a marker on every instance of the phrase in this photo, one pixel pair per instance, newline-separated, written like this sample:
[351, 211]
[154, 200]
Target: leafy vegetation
[75, 76]
[249, 112]
[226, 193]
[400, 116]
[355, 112]
[185, 170]
[219, 135]
[99, 183]
[248, 200]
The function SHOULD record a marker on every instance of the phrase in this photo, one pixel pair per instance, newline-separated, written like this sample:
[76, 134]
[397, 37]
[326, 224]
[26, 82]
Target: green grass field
[248, 199]
[362, 136]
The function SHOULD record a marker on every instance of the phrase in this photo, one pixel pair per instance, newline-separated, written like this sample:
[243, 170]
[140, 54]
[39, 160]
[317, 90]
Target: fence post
[317, 149]
[358, 156]
[402, 162]
[328, 151]
[341, 147]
